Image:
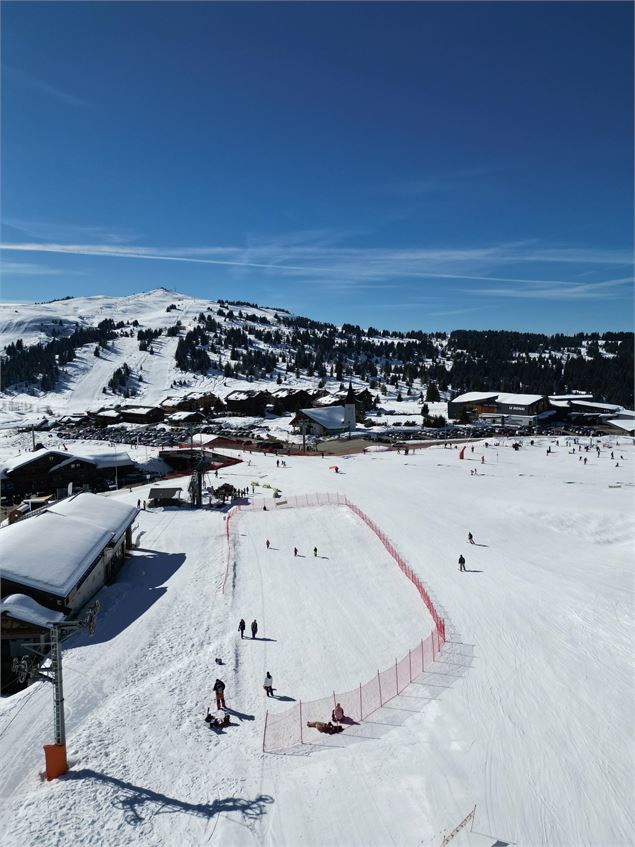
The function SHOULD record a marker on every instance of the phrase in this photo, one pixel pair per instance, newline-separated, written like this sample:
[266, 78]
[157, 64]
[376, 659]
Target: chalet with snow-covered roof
[183, 417]
[142, 414]
[61, 556]
[191, 402]
[291, 399]
[323, 422]
[250, 402]
[106, 417]
[44, 471]
[499, 407]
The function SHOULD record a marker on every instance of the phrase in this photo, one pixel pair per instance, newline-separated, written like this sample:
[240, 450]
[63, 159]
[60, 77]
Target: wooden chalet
[192, 402]
[291, 399]
[106, 417]
[250, 402]
[184, 417]
[44, 471]
[142, 414]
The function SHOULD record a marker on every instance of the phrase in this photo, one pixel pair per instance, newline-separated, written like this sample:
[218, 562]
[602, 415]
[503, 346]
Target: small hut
[165, 496]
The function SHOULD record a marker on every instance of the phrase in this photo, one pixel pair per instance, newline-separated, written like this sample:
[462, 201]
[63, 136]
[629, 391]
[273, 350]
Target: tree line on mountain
[42, 363]
[464, 360]
[250, 345]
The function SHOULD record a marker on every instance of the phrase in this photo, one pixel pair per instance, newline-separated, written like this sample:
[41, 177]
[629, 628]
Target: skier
[337, 714]
[268, 543]
[295, 551]
[461, 562]
[139, 501]
[219, 690]
[315, 552]
[482, 460]
[241, 627]
[254, 628]
[268, 686]
[277, 463]
[470, 538]
[144, 505]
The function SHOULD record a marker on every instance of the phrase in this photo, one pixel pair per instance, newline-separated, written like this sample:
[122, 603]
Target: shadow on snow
[139, 804]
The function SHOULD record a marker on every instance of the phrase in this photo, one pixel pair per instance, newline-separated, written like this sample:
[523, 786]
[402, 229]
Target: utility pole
[31, 668]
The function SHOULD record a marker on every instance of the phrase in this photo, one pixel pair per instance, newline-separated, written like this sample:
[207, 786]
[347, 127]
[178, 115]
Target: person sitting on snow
[337, 714]
[321, 726]
[218, 719]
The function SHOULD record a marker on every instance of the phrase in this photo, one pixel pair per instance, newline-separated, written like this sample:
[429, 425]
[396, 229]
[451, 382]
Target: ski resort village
[267, 581]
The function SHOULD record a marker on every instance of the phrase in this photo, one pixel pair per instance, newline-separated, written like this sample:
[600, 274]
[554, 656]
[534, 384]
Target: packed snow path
[535, 726]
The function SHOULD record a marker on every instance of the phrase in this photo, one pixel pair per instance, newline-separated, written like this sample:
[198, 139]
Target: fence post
[334, 702]
[264, 734]
[396, 678]
[379, 681]
[432, 636]
[410, 664]
[301, 736]
[361, 713]
[423, 661]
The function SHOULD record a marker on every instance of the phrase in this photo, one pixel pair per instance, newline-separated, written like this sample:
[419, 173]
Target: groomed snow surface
[527, 713]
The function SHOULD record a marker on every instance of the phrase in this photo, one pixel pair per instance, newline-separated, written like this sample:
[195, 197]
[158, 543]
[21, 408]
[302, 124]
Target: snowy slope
[528, 713]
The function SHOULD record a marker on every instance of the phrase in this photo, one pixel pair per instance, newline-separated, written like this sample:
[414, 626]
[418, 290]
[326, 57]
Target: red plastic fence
[288, 729]
[438, 621]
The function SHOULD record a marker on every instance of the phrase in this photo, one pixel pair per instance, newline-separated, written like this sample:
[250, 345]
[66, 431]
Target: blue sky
[406, 165]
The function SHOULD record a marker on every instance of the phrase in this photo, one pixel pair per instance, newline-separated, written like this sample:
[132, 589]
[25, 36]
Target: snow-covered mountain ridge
[174, 343]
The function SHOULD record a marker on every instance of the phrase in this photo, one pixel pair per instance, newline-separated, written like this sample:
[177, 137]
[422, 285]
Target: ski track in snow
[527, 713]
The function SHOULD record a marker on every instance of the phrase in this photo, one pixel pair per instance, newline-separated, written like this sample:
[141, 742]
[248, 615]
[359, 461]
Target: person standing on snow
[219, 690]
[470, 538]
[268, 686]
[315, 552]
[295, 551]
[254, 628]
[268, 543]
[461, 562]
[241, 627]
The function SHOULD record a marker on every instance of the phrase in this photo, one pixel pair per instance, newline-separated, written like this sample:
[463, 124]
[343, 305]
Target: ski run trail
[527, 713]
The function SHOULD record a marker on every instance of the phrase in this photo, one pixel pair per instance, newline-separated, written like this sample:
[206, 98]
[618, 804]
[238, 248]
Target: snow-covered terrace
[26, 609]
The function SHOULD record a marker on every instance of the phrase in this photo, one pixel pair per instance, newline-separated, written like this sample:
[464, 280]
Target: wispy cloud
[610, 289]
[44, 87]
[28, 269]
[71, 232]
[316, 257]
